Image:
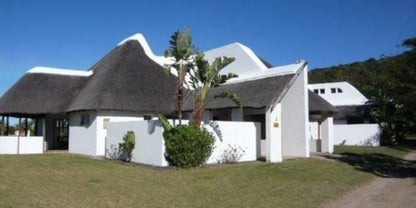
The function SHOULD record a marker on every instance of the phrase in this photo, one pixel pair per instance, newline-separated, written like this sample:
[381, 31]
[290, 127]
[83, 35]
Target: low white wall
[27, 145]
[356, 134]
[90, 139]
[150, 146]
[235, 134]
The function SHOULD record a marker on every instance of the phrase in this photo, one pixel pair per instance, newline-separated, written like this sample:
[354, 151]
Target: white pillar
[327, 135]
[274, 134]
[237, 114]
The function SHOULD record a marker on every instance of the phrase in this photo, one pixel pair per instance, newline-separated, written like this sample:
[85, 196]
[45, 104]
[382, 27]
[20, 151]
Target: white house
[87, 112]
[339, 93]
[352, 125]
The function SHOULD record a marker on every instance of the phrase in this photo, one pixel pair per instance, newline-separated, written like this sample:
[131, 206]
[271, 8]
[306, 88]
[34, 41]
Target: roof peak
[147, 50]
[59, 71]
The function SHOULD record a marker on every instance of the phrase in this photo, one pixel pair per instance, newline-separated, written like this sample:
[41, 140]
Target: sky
[76, 34]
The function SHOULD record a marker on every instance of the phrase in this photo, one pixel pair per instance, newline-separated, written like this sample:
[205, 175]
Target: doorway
[61, 134]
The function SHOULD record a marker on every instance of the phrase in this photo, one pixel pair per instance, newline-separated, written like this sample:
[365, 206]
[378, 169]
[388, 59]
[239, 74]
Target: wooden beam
[2, 123]
[7, 126]
[26, 127]
[36, 127]
[20, 124]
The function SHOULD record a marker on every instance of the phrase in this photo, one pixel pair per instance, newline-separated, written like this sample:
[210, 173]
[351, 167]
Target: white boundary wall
[150, 146]
[27, 145]
[90, 140]
[356, 134]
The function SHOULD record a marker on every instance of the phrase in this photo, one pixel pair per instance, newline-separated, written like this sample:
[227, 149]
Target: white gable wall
[295, 118]
[349, 95]
[245, 59]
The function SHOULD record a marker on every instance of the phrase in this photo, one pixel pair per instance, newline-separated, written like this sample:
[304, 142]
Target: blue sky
[76, 34]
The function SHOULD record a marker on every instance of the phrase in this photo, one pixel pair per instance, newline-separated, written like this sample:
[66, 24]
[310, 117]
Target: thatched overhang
[36, 94]
[258, 93]
[318, 105]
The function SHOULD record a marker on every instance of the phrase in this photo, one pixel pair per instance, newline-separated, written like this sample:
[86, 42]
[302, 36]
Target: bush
[127, 146]
[188, 146]
[232, 154]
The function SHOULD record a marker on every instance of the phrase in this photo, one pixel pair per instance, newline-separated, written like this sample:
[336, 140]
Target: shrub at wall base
[188, 146]
[127, 146]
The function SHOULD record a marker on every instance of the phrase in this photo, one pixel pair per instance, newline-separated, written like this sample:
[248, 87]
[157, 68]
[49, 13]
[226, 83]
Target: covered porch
[33, 134]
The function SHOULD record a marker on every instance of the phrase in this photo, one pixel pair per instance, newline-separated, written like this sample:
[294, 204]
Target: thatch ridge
[127, 79]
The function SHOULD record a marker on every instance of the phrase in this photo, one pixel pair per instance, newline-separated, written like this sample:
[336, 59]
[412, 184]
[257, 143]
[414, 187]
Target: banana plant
[205, 76]
[181, 51]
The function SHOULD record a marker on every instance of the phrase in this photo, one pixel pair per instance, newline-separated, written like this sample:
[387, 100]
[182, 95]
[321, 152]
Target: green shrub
[188, 146]
[127, 146]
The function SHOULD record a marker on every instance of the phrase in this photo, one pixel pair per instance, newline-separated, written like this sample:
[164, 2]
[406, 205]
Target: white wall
[27, 145]
[314, 130]
[327, 135]
[349, 96]
[113, 116]
[274, 134]
[356, 134]
[295, 118]
[82, 139]
[237, 134]
[150, 145]
[90, 140]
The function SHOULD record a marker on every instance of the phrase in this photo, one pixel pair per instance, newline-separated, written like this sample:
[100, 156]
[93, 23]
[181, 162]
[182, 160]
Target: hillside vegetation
[394, 75]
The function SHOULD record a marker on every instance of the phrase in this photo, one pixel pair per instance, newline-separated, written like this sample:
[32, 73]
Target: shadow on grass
[378, 164]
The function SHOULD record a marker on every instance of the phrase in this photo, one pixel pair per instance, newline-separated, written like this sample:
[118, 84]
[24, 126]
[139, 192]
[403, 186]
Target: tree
[390, 118]
[203, 78]
[411, 43]
[182, 51]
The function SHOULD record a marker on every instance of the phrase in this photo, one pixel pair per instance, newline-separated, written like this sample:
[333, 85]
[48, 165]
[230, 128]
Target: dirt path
[382, 192]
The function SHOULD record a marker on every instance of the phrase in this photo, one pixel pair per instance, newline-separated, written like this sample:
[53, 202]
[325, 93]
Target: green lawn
[394, 152]
[62, 180]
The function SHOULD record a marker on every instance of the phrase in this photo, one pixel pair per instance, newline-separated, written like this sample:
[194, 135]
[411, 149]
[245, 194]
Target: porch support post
[327, 134]
[274, 134]
[18, 136]
[45, 144]
[26, 127]
[36, 126]
[7, 126]
[2, 123]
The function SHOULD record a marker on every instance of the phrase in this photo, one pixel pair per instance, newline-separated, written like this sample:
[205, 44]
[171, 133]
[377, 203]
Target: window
[333, 90]
[316, 91]
[322, 91]
[339, 90]
[85, 119]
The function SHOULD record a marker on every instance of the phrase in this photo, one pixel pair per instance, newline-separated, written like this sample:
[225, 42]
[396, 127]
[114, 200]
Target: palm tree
[389, 116]
[182, 51]
[205, 76]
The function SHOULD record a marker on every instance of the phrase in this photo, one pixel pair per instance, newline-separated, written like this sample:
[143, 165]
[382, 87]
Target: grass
[380, 161]
[394, 152]
[61, 180]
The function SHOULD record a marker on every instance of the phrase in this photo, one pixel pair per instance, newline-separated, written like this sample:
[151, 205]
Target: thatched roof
[127, 79]
[319, 105]
[40, 93]
[257, 93]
